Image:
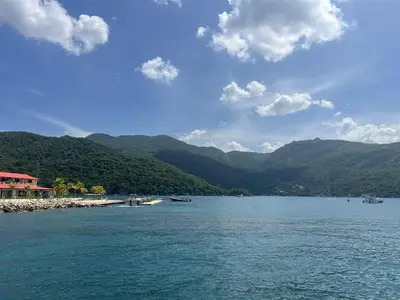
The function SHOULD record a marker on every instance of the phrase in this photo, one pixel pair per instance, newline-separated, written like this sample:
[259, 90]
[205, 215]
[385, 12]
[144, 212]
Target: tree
[71, 188]
[80, 187]
[28, 190]
[13, 187]
[60, 187]
[99, 190]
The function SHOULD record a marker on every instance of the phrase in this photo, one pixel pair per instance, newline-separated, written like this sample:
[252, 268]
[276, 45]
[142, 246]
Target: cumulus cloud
[188, 137]
[268, 104]
[324, 104]
[348, 129]
[233, 93]
[166, 2]
[235, 146]
[47, 20]
[271, 147]
[201, 31]
[159, 70]
[274, 29]
[289, 104]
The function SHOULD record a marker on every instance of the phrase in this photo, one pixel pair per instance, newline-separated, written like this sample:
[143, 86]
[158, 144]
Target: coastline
[29, 205]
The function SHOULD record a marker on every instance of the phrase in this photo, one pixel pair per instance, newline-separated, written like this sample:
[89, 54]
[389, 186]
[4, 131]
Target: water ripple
[215, 249]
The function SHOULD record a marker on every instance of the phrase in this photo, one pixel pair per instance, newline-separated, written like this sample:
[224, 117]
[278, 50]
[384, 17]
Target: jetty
[143, 201]
[25, 205]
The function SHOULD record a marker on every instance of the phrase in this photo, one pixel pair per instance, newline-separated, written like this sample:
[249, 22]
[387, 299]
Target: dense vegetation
[141, 145]
[78, 159]
[313, 167]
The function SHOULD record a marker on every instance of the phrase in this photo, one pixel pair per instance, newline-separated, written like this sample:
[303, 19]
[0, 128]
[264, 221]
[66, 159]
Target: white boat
[152, 202]
[372, 199]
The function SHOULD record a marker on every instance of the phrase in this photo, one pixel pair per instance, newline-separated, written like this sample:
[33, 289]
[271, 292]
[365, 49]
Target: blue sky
[318, 68]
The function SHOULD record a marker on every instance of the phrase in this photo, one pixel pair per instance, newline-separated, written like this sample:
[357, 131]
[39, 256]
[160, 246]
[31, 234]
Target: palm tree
[60, 187]
[80, 187]
[28, 190]
[99, 190]
[71, 188]
[13, 187]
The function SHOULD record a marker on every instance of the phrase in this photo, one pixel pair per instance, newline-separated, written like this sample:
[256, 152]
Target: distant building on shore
[20, 182]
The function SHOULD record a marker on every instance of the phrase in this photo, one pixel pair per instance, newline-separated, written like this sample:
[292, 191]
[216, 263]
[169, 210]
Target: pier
[143, 201]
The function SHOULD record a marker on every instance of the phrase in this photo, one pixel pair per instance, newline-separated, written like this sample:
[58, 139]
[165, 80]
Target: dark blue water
[212, 248]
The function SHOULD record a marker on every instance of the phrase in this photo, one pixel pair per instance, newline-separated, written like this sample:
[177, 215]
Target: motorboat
[372, 199]
[180, 199]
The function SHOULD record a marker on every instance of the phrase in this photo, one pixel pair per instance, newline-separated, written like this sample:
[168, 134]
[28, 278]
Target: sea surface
[212, 248]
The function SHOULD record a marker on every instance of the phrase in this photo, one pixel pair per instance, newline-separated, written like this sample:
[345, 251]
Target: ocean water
[212, 248]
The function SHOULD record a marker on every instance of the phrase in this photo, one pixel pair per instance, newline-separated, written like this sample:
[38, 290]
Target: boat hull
[180, 200]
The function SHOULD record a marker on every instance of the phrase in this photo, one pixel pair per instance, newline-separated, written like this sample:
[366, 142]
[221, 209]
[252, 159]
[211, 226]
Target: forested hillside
[141, 145]
[80, 159]
[312, 167]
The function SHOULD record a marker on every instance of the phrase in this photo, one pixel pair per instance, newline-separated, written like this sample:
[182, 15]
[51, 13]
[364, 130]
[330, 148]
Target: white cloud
[348, 129]
[271, 147]
[337, 114]
[288, 104]
[324, 104]
[235, 146]
[233, 93]
[268, 104]
[166, 2]
[68, 128]
[201, 31]
[188, 137]
[48, 20]
[159, 70]
[256, 89]
[274, 29]
[224, 138]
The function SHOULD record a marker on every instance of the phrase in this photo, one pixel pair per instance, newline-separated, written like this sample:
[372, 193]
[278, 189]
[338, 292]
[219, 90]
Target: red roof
[5, 186]
[16, 175]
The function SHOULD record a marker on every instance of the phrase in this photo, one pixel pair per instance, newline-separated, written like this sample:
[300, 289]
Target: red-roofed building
[19, 183]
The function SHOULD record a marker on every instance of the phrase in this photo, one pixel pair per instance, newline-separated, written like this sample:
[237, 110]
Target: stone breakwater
[21, 205]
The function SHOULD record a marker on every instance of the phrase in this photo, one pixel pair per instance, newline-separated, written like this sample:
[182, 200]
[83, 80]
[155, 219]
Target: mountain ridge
[309, 167]
[143, 144]
[81, 159]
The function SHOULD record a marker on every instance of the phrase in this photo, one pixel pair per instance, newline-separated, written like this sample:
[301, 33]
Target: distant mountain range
[164, 165]
[312, 167]
[139, 145]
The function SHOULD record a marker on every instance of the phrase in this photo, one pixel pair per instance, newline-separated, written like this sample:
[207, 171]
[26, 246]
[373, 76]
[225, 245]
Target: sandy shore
[20, 205]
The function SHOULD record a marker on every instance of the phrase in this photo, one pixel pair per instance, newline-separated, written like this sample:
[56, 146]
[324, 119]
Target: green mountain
[312, 167]
[334, 167]
[141, 145]
[81, 159]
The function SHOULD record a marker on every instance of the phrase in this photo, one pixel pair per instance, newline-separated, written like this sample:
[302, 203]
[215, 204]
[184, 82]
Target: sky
[244, 75]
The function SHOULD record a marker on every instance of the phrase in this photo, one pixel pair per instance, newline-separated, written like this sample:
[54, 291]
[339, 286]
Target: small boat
[180, 199]
[372, 199]
[151, 202]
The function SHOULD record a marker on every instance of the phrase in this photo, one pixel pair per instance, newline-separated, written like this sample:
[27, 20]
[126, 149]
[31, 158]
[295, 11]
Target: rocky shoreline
[25, 205]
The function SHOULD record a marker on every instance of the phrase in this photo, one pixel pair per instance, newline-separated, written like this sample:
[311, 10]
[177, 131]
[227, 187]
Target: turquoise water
[212, 248]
